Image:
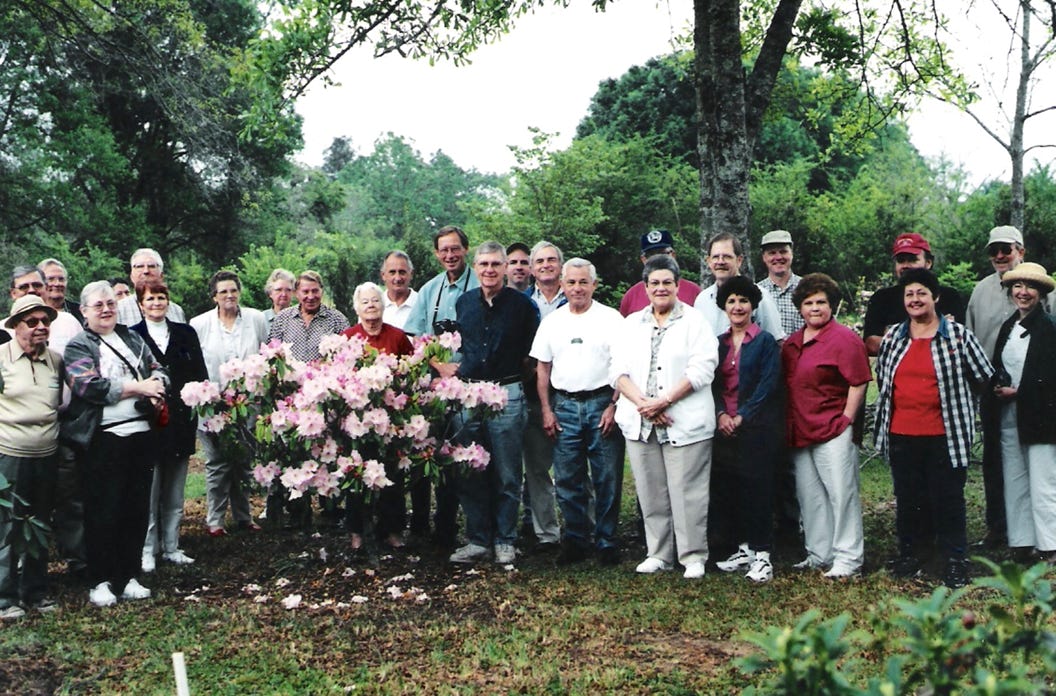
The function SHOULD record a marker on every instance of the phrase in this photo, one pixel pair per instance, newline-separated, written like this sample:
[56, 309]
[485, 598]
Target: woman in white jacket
[662, 369]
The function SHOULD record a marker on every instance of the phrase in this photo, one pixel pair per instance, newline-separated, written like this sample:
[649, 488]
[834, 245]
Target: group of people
[730, 402]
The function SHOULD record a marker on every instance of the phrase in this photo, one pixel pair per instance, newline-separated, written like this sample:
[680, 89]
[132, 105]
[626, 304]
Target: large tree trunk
[1015, 141]
[730, 107]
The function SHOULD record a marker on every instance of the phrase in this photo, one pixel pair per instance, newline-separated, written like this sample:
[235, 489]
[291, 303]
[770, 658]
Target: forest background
[134, 128]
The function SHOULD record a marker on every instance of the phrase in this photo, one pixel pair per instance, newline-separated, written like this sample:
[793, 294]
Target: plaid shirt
[959, 361]
[791, 319]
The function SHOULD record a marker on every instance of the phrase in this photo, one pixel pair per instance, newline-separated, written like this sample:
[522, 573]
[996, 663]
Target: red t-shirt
[916, 409]
[391, 340]
[818, 375]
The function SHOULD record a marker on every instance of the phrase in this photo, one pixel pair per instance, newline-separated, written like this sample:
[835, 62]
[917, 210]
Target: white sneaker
[147, 564]
[178, 557]
[652, 565]
[470, 553]
[838, 572]
[808, 564]
[102, 596]
[694, 570]
[12, 613]
[505, 554]
[761, 570]
[133, 590]
[741, 558]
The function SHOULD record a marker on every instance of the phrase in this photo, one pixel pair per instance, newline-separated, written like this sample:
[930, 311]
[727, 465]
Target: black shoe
[609, 556]
[570, 553]
[992, 540]
[905, 567]
[956, 574]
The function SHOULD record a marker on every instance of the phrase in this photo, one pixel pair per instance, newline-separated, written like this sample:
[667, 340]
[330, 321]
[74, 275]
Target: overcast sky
[543, 74]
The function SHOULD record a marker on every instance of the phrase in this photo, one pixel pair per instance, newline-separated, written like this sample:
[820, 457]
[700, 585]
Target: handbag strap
[134, 371]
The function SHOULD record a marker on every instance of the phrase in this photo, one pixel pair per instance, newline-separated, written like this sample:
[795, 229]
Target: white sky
[543, 74]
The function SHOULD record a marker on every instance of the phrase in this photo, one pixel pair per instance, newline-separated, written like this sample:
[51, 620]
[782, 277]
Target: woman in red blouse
[385, 338]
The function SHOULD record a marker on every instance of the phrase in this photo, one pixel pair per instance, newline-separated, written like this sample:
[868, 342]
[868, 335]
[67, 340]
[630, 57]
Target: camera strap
[440, 293]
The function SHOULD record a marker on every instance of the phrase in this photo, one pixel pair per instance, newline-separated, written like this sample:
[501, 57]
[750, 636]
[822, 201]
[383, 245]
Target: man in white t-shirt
[397, 272]
[572, 349]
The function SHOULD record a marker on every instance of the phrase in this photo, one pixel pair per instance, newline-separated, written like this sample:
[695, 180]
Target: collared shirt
[437, 300]
[818, 376]
[729, 370]
[988, 308]
[30, 393]
[791, 319]
[129, 313]
[546, 306]
[765, 315]
[959, 361]
[289, 327]
[397, 315]
[496, 337]
[635, 299]
[578, 346]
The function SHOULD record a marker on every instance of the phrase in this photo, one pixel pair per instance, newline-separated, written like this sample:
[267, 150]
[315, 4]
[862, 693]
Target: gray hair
[96, 287]
[542, 244]
[19, 271]
[577, 262]
[363, 288]
[277, 275]
[400, 254]
[147, 251]
[51, 262]
[490, 247]
[660, 262]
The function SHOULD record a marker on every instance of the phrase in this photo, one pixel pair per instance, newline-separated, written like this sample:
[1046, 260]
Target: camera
[444, 326]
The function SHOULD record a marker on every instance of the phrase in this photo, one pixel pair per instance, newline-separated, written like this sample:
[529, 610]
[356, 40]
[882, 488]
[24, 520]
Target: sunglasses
[24, 287]
[1003, 249]
[33, 321]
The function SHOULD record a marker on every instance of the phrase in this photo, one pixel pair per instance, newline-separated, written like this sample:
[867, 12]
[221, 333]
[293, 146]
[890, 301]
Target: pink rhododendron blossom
[347, 465]
[374, 476]
[377, 419]
[264, 474]
[274, 349]
[449, 388]
[310, 424]
[326, 483]
[451, 340]
[473, 455]
[395, 401]
[354, 427]
[331, 343]
[404, 464]
[214, 424]
[199, 393]
[325, 452]
[416, 428]
[231, 370]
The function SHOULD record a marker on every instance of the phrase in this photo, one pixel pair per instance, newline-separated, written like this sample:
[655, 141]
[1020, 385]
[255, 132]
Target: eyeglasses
[26, 287]
[32, 322]
[1002, 249]
[450, 250]
[100, 306]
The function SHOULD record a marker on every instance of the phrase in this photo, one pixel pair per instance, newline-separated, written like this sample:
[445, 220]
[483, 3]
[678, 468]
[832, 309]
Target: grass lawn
[416, 624]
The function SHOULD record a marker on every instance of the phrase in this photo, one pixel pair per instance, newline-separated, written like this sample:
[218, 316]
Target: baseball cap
[910, 243]
[657, 239]
[776, 237]
[1005, 234]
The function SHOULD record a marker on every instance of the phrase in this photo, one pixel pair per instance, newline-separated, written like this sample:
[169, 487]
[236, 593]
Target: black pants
[117, 474]
[924, 480]
[742, 489]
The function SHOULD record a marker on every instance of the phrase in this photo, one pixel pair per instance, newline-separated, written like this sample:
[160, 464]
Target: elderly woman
[115, 383]
[279, 289]
[925, 370]
[746, 391]
[1026, 400]
[385, 338]
[226, 332]
[662, 368]
[176, 347]
[826, 373]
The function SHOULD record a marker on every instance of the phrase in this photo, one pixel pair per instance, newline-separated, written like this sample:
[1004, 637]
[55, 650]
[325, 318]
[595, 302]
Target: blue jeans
[578, 442]
[491, 498]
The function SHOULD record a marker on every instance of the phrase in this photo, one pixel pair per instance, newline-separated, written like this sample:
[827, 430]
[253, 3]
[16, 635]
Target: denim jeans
[491, 498]
[580, 441]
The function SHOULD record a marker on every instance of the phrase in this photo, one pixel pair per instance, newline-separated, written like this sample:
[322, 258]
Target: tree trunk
[1015, 142]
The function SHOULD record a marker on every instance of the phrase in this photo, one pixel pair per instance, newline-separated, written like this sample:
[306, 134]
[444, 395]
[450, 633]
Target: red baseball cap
[910, 243]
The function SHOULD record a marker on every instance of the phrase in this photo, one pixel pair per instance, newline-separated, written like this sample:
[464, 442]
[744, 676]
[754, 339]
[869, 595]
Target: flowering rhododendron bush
[336, 422]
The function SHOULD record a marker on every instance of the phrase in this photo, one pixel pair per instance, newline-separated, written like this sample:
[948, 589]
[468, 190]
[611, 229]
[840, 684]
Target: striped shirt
[960, 362]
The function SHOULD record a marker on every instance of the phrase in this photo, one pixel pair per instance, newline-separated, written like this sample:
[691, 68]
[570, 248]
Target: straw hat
[25, 305]
[1031, 272]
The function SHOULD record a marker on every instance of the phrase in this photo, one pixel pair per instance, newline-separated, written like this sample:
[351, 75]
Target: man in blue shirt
[498, 326]
[436, 299]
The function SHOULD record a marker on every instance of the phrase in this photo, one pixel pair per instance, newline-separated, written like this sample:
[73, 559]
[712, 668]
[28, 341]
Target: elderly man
[397, 272]
[55, 282]
[725, 256]
[656, 242]
[780, 282]
[989, 306]
[435, 310]
[498, 325]
[305, 325]
[145, 263]
[28, 280]
[572, 350]
[886, 306]
[519, 267]
[31, 377]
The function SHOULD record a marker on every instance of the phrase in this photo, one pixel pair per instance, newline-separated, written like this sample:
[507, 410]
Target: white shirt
[577, 346]
[546, 307]
[395, 314]
[766, 315]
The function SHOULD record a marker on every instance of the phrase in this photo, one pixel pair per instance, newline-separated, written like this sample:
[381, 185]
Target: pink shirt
[635, 298]
[818, 375]
[730, 370]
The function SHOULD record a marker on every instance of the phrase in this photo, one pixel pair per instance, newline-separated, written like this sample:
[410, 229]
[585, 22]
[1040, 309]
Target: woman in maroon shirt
[826, 373]
[385, 338]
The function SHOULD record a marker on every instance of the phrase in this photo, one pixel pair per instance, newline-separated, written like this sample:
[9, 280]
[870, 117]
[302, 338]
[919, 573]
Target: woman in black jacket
[1025, 390]
[176, 347]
